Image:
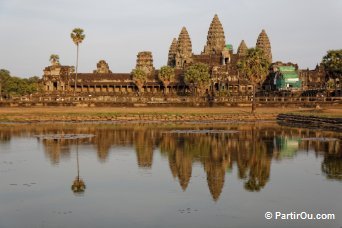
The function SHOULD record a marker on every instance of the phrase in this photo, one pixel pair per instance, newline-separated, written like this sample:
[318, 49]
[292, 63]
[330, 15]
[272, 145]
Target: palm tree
[139, 77]
[332, 63]
[254, 67]
[198, 74]
[54, 59]
[166, 75]
[4, 76]
[77, 37]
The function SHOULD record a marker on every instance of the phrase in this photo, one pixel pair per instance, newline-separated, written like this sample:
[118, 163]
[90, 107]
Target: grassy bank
[41, 114]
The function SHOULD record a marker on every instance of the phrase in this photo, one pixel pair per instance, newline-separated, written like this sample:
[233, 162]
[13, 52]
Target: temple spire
[172, 53]
[102, 68]
[264, 44]
[242, 49]
[184, 49]
[145, 62]
[215, 40]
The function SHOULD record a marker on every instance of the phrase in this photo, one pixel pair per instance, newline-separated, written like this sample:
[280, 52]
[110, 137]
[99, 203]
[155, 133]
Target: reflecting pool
[167, 175]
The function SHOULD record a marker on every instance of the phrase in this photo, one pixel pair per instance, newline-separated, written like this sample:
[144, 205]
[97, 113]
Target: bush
[199, 74]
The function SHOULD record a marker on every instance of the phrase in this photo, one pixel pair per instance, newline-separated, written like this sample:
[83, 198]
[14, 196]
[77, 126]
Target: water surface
[166, 175]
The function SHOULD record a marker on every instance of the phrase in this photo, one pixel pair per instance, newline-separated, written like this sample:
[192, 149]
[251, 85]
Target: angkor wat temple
[217, 54]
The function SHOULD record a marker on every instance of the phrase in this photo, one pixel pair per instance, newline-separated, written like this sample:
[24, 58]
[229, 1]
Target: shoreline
[122, 115]
[141, 122]
[311, 122]
[172, 114]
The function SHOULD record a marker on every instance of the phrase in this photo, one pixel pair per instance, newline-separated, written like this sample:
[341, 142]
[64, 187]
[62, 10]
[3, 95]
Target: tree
[139, 77]
[332, 63]
[254, 67]
[198, 75]
[15, 86]
[166, 75]
[4, 76]
[77, 37]
[54, 59]
[34, 84]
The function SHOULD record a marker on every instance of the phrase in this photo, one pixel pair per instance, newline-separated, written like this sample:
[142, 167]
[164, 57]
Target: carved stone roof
[242, 49]
[172, 53]
[184, 46]
[145, 62]
[109, 83]
[101, 77]
[102, 67]
[264, 43]
[215, 40]
[53, 67]
[58, 70]
[207, 59]
[184, 50]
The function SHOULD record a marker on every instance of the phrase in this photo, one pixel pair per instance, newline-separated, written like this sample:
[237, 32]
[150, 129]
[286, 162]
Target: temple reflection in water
[249, 148]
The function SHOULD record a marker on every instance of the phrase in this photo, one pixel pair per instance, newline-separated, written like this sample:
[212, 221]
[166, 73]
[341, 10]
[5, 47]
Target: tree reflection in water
[78, 186]
[58, 144]
[332, 163]
[251, 149]
[259, 164]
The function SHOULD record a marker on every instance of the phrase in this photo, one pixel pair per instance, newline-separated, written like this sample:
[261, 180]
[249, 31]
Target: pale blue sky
[116, 30]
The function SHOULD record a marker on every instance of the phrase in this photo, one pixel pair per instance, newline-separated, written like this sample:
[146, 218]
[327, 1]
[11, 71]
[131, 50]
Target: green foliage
[332, 63]
[139, 75]
[15, 86]
[166, 73]
[254, 66]
[4, 76]
[77, 36]
[330, 84]
[54, 58]
[198, 73]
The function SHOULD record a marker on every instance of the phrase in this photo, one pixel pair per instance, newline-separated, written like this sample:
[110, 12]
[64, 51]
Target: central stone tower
[184, 49]
[215, 40]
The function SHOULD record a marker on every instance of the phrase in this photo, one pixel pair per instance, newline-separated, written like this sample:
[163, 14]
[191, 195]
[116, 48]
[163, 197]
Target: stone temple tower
[102, 68]
[184, 49]
[215, 40]
[264, 44]
[242, 49]
[172, 53]
[145, 62]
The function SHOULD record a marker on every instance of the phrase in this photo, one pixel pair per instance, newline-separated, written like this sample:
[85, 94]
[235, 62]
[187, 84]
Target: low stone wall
[313, 122]
[176, 101]
[134, 101]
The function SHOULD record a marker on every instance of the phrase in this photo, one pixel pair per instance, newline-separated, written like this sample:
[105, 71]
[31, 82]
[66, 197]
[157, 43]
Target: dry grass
[146, 110]
[105, 113]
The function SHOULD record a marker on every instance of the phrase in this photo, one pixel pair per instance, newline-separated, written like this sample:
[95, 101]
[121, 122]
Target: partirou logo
[299, 216]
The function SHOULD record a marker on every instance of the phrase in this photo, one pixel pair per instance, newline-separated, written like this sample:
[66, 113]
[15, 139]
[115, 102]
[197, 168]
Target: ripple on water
[204, 131]
[65, 136]
[321, 139]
